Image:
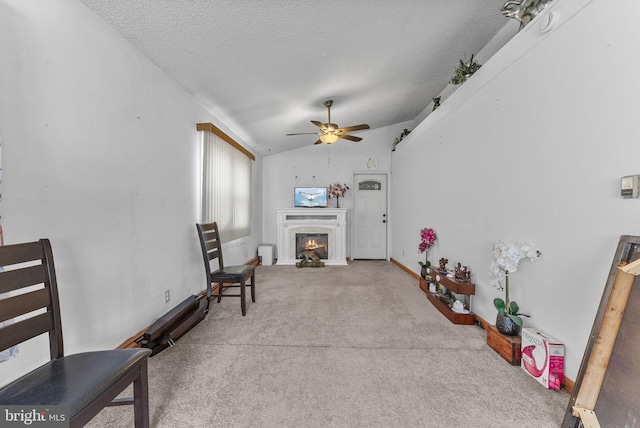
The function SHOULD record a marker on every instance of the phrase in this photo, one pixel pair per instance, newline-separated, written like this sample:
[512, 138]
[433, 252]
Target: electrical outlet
[167, 296]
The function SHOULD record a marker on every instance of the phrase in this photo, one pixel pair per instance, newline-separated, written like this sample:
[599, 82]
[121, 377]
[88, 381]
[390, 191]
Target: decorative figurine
[436, 103]
[523, 10]
[443, 265]
[402, 136]
[462, 274]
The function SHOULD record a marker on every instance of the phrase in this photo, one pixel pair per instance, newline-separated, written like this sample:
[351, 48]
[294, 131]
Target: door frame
[387, 211]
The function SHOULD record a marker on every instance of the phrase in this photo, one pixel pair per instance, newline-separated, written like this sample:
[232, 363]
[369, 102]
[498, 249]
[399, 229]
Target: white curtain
[226, 187]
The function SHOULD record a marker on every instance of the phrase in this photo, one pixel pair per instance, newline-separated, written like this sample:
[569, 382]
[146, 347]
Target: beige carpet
[341, 346]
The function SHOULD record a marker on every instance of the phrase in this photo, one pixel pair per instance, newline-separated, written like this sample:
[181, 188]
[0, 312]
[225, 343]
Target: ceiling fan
[329, 132]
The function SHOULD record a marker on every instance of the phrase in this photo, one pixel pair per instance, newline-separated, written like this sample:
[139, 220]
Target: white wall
[322, 165]
[532, 149]
[101, 155]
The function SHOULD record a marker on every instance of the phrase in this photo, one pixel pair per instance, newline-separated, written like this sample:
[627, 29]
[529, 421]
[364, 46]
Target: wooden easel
[603, 358]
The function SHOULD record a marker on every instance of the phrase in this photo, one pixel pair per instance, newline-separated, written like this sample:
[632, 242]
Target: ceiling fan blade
[318, 142]
[319, 124]
[304, 133]
[349, 137]
[354, 128]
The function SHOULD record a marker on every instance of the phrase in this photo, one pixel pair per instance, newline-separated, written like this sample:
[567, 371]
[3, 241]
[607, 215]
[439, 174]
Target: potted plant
[337, 190]
[507, 256]
[464, 70]
[427, 239]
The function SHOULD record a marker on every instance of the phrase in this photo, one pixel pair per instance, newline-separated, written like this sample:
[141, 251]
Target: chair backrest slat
[206, 227]
[20, 253]
[210, 244]
[24, 304]
[19, 278]
[14, 334]
[214, 254]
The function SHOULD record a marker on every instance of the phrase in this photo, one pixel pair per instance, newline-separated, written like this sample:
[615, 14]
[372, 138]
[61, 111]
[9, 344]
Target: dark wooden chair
[86, 382]
[224, 276]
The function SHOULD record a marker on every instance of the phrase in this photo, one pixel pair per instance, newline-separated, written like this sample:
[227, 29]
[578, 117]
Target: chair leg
[243, 302]
[253, 287]
[141, 397]
[220, 285]
[208, 297]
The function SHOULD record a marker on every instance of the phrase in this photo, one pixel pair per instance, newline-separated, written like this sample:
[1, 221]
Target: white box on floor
[543, 358]
[266, 254]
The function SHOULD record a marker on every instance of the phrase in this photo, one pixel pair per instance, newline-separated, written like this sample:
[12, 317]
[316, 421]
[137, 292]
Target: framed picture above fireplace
[310, 197]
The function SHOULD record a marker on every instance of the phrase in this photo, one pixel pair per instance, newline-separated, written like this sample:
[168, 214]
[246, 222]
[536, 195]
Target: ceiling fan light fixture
[331, 132]
[329, 138]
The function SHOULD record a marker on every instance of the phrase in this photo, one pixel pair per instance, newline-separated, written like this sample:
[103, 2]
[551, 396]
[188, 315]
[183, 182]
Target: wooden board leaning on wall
[605, 390]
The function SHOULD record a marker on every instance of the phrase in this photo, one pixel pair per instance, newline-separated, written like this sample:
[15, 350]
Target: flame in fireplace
[312, 244]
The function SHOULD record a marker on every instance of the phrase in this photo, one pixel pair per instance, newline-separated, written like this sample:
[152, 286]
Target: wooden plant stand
[508, 347]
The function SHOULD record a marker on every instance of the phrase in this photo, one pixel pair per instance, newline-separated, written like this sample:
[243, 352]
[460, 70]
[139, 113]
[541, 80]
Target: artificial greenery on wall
[464, 70]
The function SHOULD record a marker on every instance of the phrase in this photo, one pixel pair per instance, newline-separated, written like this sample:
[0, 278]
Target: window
[226, 183]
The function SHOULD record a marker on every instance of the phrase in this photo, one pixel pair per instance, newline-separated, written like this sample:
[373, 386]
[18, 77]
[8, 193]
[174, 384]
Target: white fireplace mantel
[332, 221]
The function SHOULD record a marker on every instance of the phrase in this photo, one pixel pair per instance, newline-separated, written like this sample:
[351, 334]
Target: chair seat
[75, 380]
[230, 272]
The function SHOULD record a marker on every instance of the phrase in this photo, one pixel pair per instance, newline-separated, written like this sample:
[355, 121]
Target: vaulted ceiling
[266, 67]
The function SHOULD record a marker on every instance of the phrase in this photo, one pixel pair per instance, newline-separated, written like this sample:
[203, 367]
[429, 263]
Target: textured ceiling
[266, 67]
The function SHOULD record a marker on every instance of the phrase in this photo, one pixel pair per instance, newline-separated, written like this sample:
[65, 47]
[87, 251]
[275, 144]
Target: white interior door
[370, 217]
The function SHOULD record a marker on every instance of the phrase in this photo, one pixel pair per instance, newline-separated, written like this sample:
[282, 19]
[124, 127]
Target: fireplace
[317, 243]
[328, 226]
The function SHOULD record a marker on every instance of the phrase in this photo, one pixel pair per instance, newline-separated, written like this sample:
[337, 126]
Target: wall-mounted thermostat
[630, 186]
